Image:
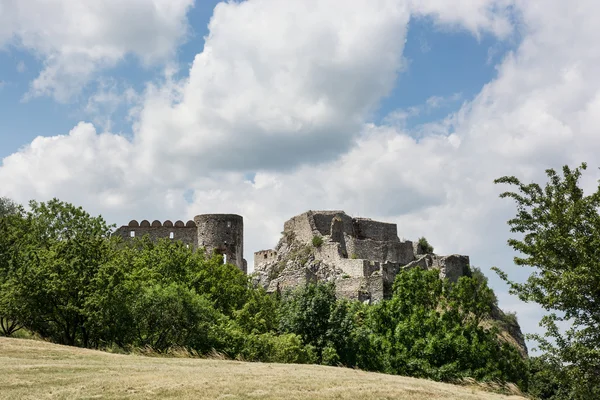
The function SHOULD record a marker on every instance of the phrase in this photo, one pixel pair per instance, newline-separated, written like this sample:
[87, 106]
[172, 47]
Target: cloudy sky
[398, 110]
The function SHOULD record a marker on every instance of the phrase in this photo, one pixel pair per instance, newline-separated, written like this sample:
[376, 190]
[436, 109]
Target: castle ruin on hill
[360, 255]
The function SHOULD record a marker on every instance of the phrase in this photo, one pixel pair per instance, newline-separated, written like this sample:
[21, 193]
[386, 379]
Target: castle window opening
[225, 258]
[229, 224]
[265, 256]
[171, 235]
[132, 234]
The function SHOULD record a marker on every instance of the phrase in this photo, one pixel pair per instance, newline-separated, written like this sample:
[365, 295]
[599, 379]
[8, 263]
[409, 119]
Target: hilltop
[34, 369]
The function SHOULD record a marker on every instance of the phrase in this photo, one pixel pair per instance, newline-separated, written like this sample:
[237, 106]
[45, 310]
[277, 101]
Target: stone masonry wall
[301, 228]
[224, 234]
[265, 256]
[187, 233]
[365, 228]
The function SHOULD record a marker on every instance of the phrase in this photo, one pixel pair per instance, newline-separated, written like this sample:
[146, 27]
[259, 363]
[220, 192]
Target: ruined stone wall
[323, 219]
[264, 256]
[224, 234]
[187, 233]
[382, 251]
[365, 228]
[301, 227]
[365, 289]
[358, 268]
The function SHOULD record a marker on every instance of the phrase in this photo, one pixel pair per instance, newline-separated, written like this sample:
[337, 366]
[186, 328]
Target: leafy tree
[559, 238]
[306, 312]
[259, 314]
[7, 207]
[57, 250]
[11, 307]
[431, 328]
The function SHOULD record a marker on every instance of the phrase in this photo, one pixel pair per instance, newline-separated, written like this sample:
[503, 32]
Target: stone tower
[224, 234]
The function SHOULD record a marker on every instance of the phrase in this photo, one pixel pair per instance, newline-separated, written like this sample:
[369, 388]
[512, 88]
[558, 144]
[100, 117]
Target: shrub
[425, 246]
[317, 241]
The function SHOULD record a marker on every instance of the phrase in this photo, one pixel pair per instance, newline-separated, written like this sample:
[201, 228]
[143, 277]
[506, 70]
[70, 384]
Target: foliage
[558, 229]
[317, 241]
[64, 278]
[8, 207]
[56, 249]
[481, 280]
[431, 329]
[424, 245]
[306, 312]
[259, 314]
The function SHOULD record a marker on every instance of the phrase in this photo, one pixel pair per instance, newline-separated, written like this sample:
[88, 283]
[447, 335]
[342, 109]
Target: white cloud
[77, 39]
[477, 16]
[277, 84]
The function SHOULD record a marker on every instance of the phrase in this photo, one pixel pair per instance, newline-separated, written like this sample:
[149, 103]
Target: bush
[425, 246]
[317, 241]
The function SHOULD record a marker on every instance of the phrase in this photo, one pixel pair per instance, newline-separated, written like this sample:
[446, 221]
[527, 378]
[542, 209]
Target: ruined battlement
[185, 232]
[361, 255]
[215, 233]
[264, 256]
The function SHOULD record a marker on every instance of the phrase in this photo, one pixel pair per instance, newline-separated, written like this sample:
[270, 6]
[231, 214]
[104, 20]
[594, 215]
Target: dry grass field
[38, 370]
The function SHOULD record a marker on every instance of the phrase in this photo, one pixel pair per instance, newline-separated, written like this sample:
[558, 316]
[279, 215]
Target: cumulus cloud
[277, 84]
[77, 39]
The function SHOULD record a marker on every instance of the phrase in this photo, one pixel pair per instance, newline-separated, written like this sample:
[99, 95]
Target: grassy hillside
[38, 370]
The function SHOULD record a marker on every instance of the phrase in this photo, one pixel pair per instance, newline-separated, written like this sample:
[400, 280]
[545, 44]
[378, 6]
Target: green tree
[306, 312]
[7, 207]
[558, 229]
[431, 328]
[11, 306]
[56, 250]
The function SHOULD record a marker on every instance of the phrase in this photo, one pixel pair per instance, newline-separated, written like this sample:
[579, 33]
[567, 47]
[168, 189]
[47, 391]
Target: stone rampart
[323, 219]
[365, 228]
[365, 289]
[264, 256]
[187, 233]
[300, 227]
[382, 251]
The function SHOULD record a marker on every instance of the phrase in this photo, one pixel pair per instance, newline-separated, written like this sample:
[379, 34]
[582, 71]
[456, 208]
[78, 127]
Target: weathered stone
[452, 267]
[423, 262]
[221, 233]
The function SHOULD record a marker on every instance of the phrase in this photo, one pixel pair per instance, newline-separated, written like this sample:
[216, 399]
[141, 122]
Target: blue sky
[439, 62]
[399, 110]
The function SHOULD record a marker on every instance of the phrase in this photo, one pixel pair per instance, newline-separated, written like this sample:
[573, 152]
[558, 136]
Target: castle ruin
[360, 255]
[216, 233]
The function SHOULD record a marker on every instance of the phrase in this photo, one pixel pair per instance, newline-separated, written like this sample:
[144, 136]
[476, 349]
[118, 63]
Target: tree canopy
[558, 228]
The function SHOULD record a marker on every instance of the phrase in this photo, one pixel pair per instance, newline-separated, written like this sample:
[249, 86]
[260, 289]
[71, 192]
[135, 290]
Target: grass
[38, 370]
